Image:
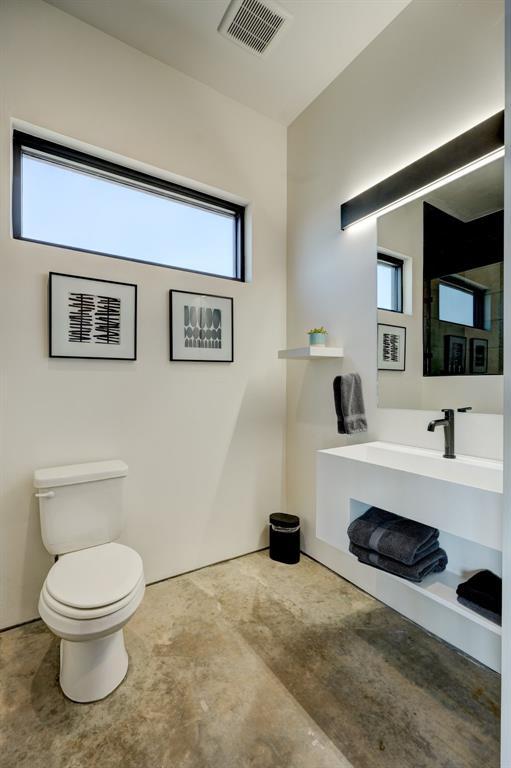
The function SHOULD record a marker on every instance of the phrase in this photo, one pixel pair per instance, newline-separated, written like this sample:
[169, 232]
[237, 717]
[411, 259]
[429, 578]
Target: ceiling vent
[253, 24]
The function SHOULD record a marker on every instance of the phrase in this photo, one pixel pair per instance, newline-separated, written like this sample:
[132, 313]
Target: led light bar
[471, 150]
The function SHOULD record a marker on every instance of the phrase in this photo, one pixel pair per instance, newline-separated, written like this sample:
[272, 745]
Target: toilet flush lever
[45, 495]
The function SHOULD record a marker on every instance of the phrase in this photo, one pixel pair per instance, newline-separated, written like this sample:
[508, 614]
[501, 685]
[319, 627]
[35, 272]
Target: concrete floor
[253, 663]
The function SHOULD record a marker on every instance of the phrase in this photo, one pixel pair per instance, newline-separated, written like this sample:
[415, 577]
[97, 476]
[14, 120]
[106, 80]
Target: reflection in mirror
[440, 297]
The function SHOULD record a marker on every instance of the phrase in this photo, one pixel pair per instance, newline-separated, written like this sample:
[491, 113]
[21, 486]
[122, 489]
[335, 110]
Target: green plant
[318, 330]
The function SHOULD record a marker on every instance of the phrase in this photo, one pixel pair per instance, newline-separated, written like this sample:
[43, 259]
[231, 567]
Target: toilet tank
[80, 505]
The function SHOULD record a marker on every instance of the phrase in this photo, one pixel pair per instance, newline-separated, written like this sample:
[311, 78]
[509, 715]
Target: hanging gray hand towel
[393, 536]
[435, 562]
[349, 404]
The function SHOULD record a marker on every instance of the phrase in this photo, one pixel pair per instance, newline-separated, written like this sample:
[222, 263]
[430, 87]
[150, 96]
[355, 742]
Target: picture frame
[201, 327]
[455, 355]
[91, 319]
[391, 347]
[478, 356]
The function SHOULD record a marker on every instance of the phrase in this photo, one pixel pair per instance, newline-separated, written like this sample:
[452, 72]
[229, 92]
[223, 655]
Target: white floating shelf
[310, 353]
[441, 587]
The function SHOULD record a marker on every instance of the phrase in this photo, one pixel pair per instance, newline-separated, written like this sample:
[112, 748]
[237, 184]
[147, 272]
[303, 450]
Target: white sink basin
[485, 474]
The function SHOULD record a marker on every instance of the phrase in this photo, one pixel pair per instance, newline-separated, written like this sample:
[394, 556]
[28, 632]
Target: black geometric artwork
[94, 319]
[108, 320]
[391, 347]
[81, 311]
[202, 327]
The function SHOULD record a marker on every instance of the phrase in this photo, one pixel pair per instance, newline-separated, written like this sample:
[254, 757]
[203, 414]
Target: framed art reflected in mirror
[391, 347]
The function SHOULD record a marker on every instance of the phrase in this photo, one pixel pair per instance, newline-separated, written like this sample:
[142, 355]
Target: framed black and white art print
[91, 318]
[201, 327]
[455, 353]
[391, 347]
[478, 355]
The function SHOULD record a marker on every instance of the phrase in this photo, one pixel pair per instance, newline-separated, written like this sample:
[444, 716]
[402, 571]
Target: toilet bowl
[87, 598]
[96, 584]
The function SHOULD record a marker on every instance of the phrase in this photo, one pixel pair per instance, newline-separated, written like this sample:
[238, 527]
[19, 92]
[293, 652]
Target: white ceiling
[323, 37]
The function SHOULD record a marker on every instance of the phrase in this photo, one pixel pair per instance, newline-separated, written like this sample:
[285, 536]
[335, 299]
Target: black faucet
[448, 423]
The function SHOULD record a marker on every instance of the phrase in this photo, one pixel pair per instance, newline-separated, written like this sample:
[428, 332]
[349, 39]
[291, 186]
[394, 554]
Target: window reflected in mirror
[456, 303]
[390, 283]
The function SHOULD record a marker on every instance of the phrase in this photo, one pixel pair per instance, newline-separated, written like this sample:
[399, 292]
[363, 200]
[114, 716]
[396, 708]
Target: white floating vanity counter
[461, 497]
[466, 470]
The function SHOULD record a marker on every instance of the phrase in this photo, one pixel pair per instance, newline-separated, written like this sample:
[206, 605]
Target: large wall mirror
[440, 297]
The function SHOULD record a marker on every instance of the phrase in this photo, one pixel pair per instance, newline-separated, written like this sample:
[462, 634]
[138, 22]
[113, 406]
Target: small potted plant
[317, 337]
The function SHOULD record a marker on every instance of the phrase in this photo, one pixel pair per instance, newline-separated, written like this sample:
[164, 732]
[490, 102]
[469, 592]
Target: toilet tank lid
[72, 474]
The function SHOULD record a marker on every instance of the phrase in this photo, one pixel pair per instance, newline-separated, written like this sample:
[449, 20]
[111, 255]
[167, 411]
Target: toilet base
[91, 669]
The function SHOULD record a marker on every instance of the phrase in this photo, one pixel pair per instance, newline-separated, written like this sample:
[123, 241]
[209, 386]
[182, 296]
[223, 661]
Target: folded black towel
[433, 563]
[349, 404]
[404, 540]
[483, 589]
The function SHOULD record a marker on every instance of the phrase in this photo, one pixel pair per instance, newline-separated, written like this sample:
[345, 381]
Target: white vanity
[440, 350]
[461, 497]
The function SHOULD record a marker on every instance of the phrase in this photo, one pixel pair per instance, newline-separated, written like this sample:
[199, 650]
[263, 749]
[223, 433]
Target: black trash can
[285, 538]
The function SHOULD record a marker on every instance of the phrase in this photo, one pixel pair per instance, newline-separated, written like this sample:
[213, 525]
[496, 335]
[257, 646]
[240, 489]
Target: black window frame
[133, 178]
[398, 264]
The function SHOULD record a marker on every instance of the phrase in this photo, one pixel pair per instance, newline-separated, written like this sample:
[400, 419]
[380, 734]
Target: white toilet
[96, 585]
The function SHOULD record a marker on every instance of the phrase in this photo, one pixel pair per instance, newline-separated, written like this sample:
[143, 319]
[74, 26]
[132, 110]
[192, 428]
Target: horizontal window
[390, 283]
[70, 199]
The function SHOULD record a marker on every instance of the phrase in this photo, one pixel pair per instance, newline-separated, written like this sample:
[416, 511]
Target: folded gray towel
[433, 563]
[349, 404]
[490, 615]
[393, 536]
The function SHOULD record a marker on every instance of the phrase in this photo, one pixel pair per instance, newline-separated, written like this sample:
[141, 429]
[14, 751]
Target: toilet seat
[83, 583]
[88, 613]
[80, 629]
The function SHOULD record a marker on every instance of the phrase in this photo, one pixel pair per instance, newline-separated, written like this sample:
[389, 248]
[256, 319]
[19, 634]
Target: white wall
[204, 443]
[434, 72]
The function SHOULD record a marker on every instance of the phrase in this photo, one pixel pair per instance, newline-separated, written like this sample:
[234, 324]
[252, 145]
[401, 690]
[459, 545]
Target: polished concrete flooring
[250, 663]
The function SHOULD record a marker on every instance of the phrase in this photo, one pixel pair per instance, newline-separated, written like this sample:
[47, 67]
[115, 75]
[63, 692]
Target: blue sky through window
[389, 286]
[68, 207]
